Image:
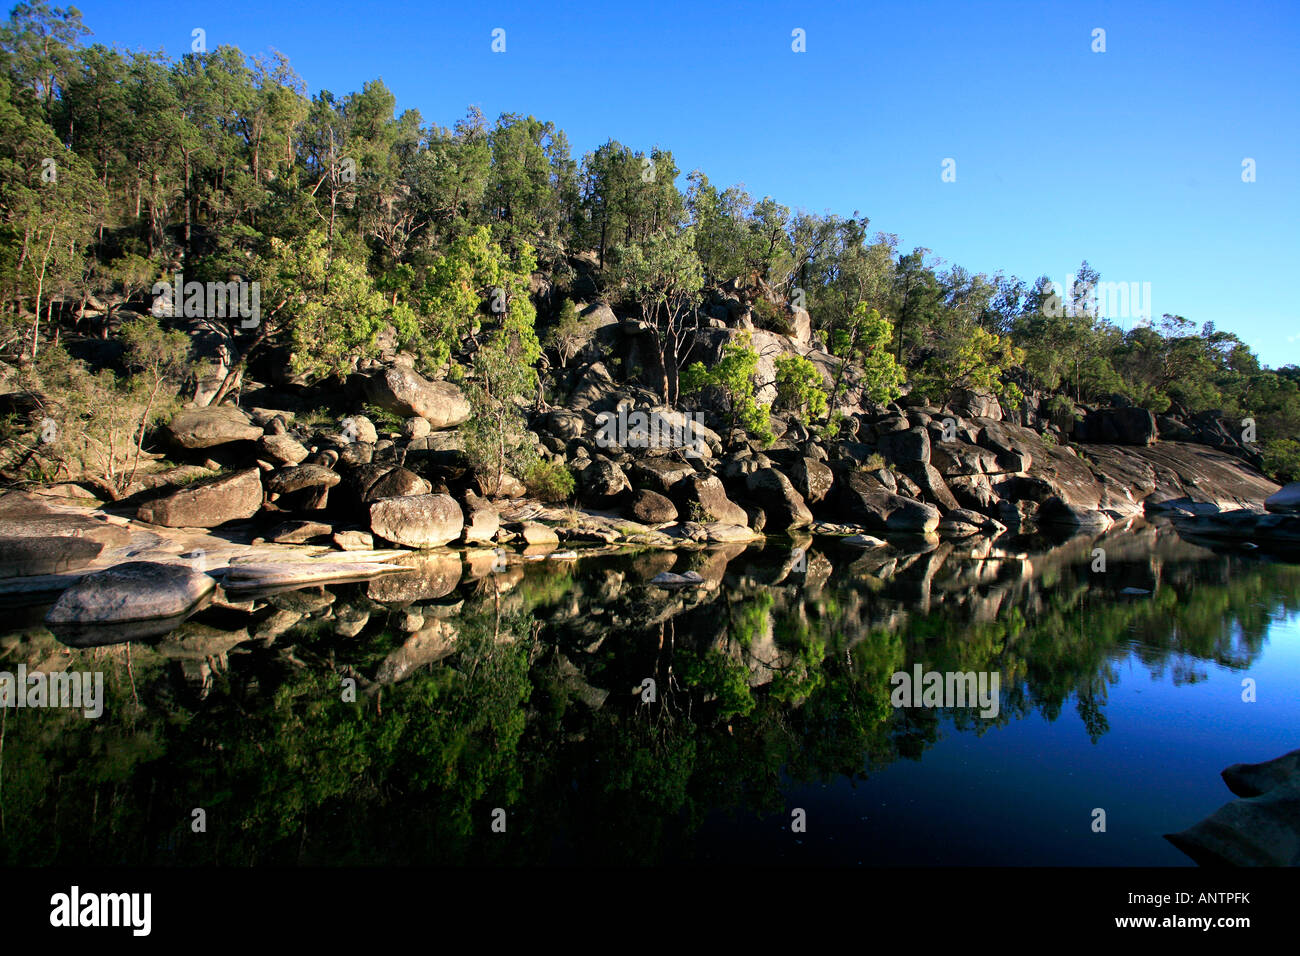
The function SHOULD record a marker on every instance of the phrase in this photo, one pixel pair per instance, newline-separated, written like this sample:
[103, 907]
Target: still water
[571, 712]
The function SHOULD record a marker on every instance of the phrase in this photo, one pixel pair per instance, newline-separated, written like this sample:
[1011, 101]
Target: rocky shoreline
[263, 502]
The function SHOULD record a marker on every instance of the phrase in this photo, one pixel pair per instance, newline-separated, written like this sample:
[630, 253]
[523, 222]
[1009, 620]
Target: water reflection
[383, 721]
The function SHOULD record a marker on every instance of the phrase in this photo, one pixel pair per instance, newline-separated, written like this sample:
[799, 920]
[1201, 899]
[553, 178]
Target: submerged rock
[1262, 829]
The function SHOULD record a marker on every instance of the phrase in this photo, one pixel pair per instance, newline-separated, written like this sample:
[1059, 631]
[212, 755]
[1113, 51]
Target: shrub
[1282, 459]
[549, 480]
[734, 374]
[799, 386]
[383, 419]
[771, 317]
[566, 337]
[1060, 411]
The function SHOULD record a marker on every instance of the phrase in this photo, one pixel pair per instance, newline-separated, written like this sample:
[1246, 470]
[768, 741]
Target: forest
[474, 247]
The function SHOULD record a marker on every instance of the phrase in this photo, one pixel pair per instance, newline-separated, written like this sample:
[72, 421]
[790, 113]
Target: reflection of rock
[1262, 829]
[256, 574]
[277, 623]
[667, 579]
[134, 591]
[572, 678]
[350, 621]
[197, 642]
[425, 646]
[1258, 528]
[429, 576]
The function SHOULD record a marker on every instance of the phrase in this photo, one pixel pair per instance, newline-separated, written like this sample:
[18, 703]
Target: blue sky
[1131, 158]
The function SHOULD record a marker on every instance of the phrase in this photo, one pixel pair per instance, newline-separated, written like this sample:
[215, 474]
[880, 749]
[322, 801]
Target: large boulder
[300, 477]
[400, 390]
[932, 485]
[1286, 501]
[812, 479]
[207, 504]
[650, 507]
[1056, 513]
[284, 449]
[193, 428]
[905, 447]
[397, 483]
[28, 556]
[482, 522]
[871, 504]
[971, 404]
[441, 450]
[776, 495]
[703, 498]
[417, 521]
[1261, 829]
[1014, 446]
[602, 481]
[135, 591]
[956, 457]
[1120, 426]
[660, 474]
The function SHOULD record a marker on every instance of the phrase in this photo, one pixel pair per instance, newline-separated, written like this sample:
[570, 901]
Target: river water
[571, 712]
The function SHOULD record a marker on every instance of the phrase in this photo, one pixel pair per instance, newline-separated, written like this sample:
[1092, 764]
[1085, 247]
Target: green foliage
[1282, 459]
[549, 480]
[663, 274]
[91, 426]
[357, 218]
[734, 376]
[722, 675]
[331, 310]
[383, 419]
[975, 361]
[864, 338]
[799, 386]
[772, 317]
[566, 335]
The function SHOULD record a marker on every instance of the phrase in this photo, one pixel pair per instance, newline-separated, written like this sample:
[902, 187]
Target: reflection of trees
[761, 678]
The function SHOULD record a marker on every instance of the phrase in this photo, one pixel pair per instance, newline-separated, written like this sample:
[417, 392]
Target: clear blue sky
[1129, 158]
